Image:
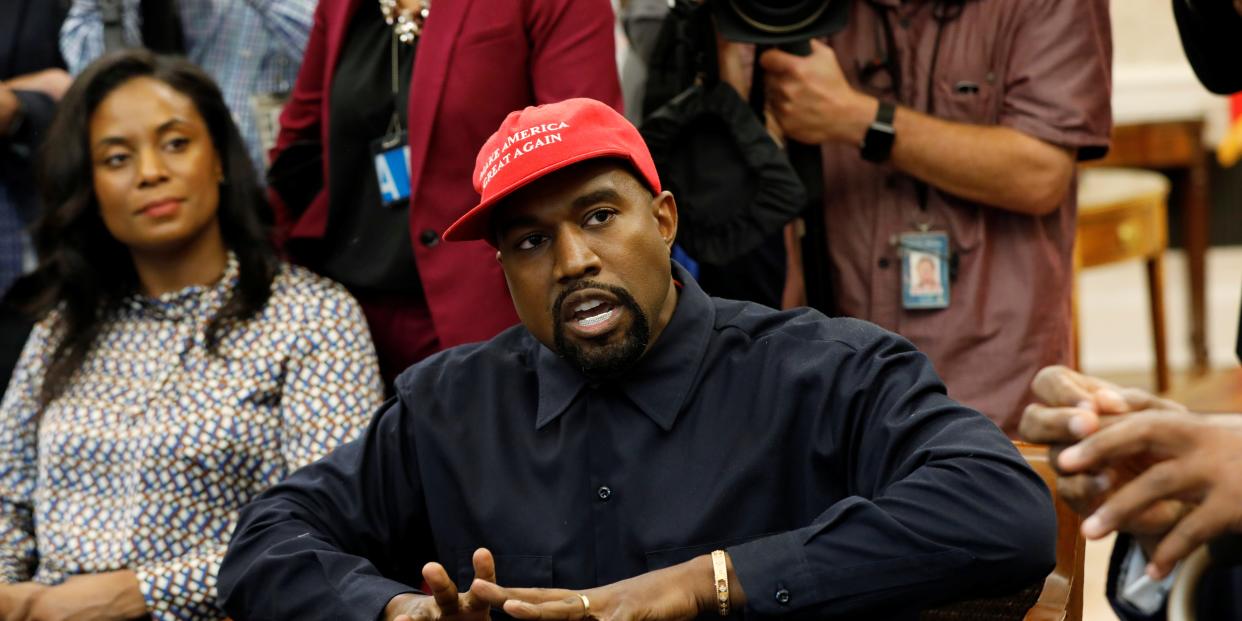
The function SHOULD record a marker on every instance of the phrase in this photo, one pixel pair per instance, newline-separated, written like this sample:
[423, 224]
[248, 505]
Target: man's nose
[575, 259]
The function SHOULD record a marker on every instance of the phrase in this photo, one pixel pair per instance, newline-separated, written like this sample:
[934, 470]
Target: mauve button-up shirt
[821, 453]
[1041, 67]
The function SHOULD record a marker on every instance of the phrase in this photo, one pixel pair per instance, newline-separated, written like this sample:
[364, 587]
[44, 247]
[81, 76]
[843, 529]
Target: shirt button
[429, 238]
[883, 263]
[782, 596]
[604, 493]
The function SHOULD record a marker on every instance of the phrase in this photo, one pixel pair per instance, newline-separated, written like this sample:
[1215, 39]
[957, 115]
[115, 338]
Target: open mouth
[590, 313]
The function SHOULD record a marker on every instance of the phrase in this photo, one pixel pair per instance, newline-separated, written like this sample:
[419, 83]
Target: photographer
[950, 131]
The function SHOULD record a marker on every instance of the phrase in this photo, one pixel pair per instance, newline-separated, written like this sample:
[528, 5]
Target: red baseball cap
[543, 139]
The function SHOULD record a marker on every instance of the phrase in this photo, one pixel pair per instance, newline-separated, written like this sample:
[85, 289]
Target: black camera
[790, 24]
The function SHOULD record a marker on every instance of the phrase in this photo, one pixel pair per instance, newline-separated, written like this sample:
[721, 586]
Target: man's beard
[599, 361]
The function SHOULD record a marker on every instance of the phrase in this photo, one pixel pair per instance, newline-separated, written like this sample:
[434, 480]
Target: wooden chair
[1121, 217]
[1059, 598]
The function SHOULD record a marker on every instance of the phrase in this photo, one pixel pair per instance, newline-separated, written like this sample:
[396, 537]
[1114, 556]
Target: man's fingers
[776, 61]
[1060, 386]
[442, 588]
[1056, 425]
[484, 565]
[1083, 492]
[1200, 525]
[569, 608]
[1168, 479]
[1128, 435]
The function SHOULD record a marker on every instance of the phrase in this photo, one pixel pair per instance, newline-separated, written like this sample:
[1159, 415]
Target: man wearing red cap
[636, 449]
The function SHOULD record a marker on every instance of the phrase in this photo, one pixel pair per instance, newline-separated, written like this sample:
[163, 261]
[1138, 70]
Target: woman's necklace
[405, 23]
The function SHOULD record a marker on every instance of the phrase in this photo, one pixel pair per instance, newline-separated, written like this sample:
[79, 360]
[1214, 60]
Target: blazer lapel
[431, 62]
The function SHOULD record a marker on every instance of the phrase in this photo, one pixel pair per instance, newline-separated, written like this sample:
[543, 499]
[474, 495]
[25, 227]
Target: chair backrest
[1059, 598]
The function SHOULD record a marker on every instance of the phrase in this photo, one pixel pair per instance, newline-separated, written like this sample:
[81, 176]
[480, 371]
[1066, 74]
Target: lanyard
[392, 137]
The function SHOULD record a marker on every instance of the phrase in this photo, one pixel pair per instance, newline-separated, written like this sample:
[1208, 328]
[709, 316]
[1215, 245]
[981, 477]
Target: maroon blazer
[477, 61]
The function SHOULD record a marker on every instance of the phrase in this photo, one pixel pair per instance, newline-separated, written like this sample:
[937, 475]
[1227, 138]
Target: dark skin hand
[675, 593]
[1136, 463]
[445, 602]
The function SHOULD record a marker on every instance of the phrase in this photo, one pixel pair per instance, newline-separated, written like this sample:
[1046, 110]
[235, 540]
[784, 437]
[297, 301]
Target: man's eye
[601, 216]
[530, 242]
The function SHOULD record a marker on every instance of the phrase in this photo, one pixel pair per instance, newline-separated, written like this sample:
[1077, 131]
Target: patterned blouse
[145, 459]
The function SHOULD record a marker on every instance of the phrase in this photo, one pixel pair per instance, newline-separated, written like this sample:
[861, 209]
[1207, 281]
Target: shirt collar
[661, 381]
[188, 301]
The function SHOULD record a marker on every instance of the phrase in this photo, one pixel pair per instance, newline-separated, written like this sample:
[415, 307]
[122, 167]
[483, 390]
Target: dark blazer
[29, 36]
[477, 61]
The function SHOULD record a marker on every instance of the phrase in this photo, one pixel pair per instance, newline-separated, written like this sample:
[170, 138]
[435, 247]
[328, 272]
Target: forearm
[10, 106]
[993, 165]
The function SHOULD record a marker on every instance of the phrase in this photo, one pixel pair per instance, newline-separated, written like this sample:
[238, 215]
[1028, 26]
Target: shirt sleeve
[942, 505]
[333, 387]
[574, 38]
[82, 34]
[19, 460]
[183, 587]
[326, 537]
[288, 22]
[1058, 80]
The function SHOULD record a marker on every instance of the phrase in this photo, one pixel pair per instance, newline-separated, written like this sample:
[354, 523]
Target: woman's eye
[177, 144]
[116, 160]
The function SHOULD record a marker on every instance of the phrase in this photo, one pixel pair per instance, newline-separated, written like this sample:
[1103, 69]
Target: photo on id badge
[924, 270]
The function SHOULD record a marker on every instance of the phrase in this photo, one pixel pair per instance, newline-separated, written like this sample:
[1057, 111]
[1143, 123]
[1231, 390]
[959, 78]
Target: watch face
[878, 142]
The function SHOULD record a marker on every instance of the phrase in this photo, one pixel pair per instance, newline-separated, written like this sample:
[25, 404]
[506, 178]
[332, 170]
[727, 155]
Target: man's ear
[664, 208]
[499, 259]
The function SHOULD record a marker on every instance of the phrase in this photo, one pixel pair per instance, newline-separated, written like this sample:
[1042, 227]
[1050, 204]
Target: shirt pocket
[512, 570]
[966, 97]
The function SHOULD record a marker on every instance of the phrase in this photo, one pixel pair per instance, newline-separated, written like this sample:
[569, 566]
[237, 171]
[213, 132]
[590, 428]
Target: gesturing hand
[672, 594]
[1195, 460]
[445, 602]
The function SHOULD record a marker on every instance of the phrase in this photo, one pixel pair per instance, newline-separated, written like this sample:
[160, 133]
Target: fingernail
[1101, 482]
[1112, 397]
[1070, 456]
[1153, 573]
[1078, 426]
[1085, 404]
[1095, 526]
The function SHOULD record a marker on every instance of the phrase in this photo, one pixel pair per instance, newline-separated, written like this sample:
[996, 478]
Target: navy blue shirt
[821, 453]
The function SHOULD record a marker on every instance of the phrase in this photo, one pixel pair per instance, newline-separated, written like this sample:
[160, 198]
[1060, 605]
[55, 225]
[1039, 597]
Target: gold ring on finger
[586, 605]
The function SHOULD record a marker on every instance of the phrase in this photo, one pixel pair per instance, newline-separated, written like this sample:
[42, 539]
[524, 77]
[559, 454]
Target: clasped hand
[1139, 464]
[663, 595]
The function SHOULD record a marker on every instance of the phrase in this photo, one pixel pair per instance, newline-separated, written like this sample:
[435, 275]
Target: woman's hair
[84, 272]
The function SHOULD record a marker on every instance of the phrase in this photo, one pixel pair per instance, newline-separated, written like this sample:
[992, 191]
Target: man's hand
[50, 82]
[445, 602]
[1073, 406]
[1195, 459]
[810, 98]
[16, 600]
[110, 596]
[9, 105]
[672, 594]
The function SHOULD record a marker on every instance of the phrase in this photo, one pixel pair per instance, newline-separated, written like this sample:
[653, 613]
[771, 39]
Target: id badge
[267, 108]
[391, 158]
[925, 270]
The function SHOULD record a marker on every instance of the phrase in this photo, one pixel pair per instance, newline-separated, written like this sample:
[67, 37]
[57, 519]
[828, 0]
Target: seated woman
[179, 367]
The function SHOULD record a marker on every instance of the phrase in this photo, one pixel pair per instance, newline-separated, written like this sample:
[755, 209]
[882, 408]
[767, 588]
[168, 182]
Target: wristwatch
[878, 142]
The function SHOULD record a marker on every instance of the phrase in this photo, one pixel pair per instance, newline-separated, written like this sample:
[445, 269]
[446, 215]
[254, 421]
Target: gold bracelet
[722, 582]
